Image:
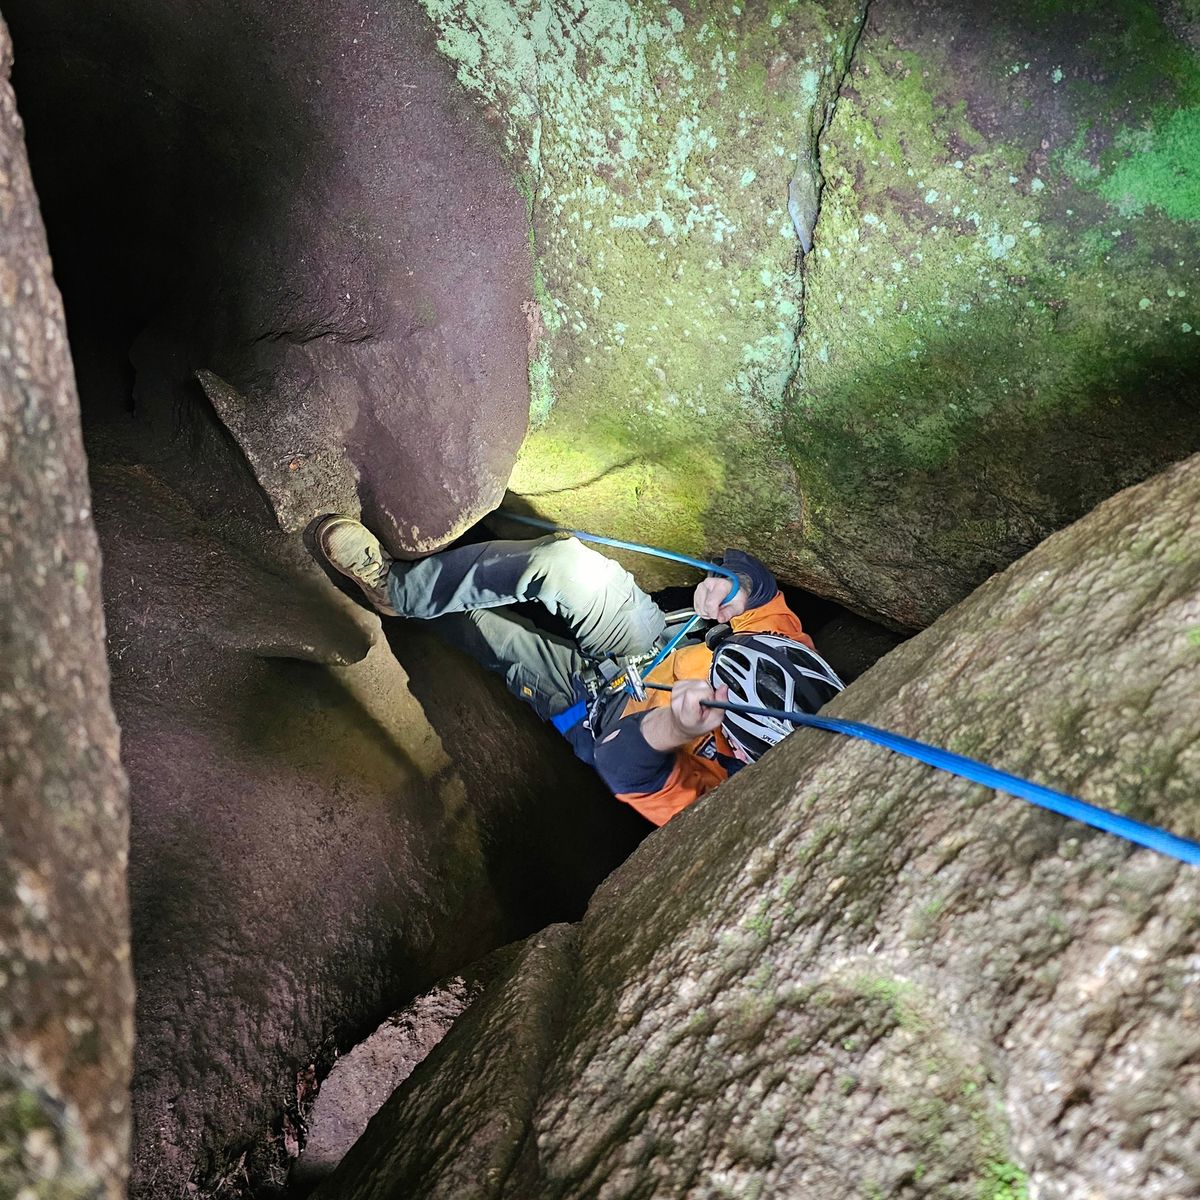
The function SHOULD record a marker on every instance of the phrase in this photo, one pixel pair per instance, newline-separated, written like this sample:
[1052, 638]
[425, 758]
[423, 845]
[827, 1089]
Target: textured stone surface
[66, 998]
[844, 973]
[1003, 316]
[301, 202]
[362, 1080]
[994, 329]
[312, 476]
[309, 848]
[496, 1055]
[657, 144]
[296, 221]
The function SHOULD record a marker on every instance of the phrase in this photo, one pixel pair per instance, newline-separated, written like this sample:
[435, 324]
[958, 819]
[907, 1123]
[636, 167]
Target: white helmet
[769, 671]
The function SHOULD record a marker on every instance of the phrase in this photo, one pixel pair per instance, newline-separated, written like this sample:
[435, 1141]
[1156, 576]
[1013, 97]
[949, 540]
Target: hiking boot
[351, 548]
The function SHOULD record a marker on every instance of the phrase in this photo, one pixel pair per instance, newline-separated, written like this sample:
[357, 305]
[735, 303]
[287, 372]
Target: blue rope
[1075, 809]
[566, 721]
[968, 768]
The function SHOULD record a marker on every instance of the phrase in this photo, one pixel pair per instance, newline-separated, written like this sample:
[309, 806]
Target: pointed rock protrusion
[300, 464]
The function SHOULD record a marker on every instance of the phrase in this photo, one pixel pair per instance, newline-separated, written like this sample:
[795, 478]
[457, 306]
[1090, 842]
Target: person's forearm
[663, 732]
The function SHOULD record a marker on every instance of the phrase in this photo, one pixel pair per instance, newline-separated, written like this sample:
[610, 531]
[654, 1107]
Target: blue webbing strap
[958, 764]
[566, 721]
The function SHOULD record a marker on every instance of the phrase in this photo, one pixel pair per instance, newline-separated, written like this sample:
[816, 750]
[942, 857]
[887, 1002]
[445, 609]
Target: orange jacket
[659, 784]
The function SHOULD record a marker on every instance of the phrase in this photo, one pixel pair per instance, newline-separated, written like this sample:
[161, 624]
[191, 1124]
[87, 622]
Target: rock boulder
[883, 293]
[318, 833]
[66, 990]
[296, 218]
[846, 973]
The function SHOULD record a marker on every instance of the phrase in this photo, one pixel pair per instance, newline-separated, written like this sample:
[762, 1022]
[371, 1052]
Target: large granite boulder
[661, 147]
[1003, 316]
[296, 219]
[66, 992]
[844, 973]
[994, 327]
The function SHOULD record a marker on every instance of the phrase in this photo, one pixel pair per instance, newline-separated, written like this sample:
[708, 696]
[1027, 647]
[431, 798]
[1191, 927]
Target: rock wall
[66, 994]
[316, 835]
[293, 267]
[845, 973]
[1003, 315]
[660, 146]
[885, 293]
[296, 220]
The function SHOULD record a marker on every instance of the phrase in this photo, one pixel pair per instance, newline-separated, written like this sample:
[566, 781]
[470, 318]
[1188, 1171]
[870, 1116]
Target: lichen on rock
[1001, 318]
[993, 329]
[658, 145]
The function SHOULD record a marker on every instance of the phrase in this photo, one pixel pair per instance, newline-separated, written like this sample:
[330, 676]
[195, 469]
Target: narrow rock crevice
[804, 192]
[301, 273]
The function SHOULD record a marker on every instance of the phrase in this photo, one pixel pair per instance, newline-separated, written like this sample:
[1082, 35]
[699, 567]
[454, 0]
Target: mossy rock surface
[1001, 324]
[994, 329]
[657, 145]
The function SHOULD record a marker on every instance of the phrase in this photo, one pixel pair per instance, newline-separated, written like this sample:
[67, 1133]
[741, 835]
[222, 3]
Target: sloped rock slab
[995, 327]
[496, 1059]
[844, 973]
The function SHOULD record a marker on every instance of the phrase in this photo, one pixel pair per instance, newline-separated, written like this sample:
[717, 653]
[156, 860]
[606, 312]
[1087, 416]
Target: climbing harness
[1064, 805]
[566, 721]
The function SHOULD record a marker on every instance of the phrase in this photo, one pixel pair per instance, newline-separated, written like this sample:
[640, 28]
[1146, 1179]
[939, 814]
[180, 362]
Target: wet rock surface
[844, 972]
[66, 994]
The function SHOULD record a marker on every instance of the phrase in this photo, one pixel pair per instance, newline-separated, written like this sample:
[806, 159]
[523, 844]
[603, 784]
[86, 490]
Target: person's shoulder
[775, 616]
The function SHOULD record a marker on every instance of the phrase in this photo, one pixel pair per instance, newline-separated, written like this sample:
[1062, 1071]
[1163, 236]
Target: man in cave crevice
[658, 754]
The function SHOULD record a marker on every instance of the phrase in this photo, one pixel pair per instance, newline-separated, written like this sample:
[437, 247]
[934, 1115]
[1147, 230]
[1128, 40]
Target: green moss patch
[1161, 168]
[1002, 296]
[994, 330]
